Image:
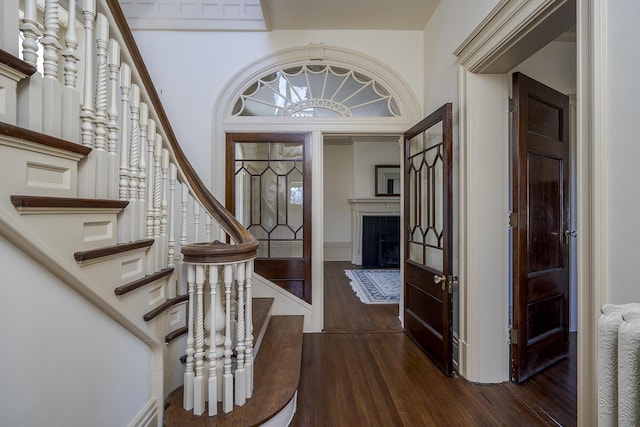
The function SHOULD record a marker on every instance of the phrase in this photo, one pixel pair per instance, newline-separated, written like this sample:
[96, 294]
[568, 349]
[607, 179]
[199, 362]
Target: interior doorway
[544, 281]
[358, 223]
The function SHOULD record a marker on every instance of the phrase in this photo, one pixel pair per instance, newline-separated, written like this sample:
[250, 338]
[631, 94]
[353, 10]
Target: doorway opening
[544, 351]
[361, 230]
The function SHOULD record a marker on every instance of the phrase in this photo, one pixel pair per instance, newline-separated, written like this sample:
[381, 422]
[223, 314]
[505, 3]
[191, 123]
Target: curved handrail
[208, 201]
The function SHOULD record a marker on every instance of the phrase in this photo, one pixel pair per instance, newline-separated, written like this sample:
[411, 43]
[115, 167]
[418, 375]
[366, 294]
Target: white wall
[622, 93]
[338, 187]
[480, 302]
[366, 154]
[190, 79]
[64, 362]
[553, 65]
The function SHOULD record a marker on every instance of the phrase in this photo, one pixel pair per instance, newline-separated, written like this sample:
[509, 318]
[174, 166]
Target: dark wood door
[269, 190]
[428, 309]
[540, 334]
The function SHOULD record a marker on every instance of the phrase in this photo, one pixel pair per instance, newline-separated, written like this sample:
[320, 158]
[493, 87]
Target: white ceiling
[348, 14]
[264, 15]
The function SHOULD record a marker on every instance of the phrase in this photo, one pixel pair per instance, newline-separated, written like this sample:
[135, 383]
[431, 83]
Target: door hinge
[450, 282]
[513, 336]
[513, 219]
[512, 105]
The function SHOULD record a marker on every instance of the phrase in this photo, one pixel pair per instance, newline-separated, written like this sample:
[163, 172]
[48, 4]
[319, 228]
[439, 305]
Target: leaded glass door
[268, 189]
[429, 236]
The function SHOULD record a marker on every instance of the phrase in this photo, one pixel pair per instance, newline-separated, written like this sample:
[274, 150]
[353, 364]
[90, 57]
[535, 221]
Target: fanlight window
[321, 91]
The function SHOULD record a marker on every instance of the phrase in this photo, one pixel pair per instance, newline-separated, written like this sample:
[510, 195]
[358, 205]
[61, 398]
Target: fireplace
[381, 242]
[387, 239]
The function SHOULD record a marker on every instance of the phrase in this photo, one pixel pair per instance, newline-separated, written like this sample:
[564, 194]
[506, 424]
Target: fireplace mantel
[375, 206]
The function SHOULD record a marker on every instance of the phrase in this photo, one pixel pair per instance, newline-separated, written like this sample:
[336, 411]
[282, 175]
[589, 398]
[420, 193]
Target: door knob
[570, 233]
[437, 278]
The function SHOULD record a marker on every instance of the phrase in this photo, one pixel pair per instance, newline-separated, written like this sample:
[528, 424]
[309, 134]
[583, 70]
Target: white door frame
[510, 33]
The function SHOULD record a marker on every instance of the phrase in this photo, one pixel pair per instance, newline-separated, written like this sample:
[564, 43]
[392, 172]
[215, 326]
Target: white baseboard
[337, 251]
[148, 416]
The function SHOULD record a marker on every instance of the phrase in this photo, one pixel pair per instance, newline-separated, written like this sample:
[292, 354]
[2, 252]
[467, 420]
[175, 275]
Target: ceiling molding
[206, 15]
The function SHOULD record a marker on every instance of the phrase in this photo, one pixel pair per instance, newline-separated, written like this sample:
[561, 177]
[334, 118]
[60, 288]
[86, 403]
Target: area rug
[375, 286]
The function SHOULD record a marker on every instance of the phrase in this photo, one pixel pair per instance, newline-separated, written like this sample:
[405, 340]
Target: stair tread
[92, 254]
[42, 139]
[149, 278]
[26, 202]
[276, 378]
[16, 63]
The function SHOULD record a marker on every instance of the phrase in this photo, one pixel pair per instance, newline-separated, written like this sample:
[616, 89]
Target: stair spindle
[189, 374]
[125, 89]
[196, 221]
[211, 321]
[163, 252]
[134, 159]
[157, 189]
[31, 33]
[248, 346]
[70, 54]
[227, 378]
[87, 178]
[112, 124]
[198, 384]
[101, 107]
[142, 172]
[173, 176]
[240, 380]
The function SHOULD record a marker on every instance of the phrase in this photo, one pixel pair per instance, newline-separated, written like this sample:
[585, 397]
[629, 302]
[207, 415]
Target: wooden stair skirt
[277, 373]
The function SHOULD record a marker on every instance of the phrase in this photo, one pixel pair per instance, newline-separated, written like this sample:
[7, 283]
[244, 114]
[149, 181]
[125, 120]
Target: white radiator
[619, 365]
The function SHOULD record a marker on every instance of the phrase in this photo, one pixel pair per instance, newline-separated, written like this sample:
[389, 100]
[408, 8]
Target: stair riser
[71, 231]
[32, 169]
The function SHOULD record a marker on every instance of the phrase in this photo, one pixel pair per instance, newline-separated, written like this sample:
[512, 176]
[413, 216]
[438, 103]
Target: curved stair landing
[277, 373]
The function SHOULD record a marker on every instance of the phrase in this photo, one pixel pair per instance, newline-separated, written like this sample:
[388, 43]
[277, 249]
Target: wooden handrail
[225, 218]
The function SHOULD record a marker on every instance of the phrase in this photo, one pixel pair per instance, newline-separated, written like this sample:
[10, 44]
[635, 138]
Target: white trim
[592, 161]
[285, 416]
[337, 251]
[147, 416]
[406, 99]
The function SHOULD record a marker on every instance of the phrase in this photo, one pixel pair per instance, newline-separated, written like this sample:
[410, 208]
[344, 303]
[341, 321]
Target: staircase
[97, 191]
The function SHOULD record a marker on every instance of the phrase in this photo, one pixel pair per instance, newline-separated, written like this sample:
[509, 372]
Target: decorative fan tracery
[316, 91]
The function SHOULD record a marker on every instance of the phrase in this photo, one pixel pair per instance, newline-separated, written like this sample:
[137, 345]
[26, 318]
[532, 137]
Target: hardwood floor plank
[343, 311]
[354, 375]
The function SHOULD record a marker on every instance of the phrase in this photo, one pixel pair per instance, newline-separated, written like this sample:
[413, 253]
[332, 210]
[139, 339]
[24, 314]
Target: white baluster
[51, 89]
[142, 171]
[50, 40]
[151, 141]
[157, 189]
[187, 402]
[248, 350]
[70, 96]
[240, 378]
[198, 384]
[29, 91]
[151, 257]
[134, 158]
[210, 320]
[101, 105]
[87, 177]
[207, 228]
[196, 220]
[173, 176]
[70, 54]
[31, 32]
[123, 191]
[227, 378]
[112, 137]
[185, 205]
[171, 254]
[183, 236]
[163, 209]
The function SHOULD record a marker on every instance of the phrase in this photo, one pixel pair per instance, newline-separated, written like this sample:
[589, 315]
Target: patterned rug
[375, 286]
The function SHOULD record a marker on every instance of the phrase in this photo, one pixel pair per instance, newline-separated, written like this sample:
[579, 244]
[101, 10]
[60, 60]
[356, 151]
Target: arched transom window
[314, 90]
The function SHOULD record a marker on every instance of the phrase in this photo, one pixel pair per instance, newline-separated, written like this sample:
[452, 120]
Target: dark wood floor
[363, 371]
